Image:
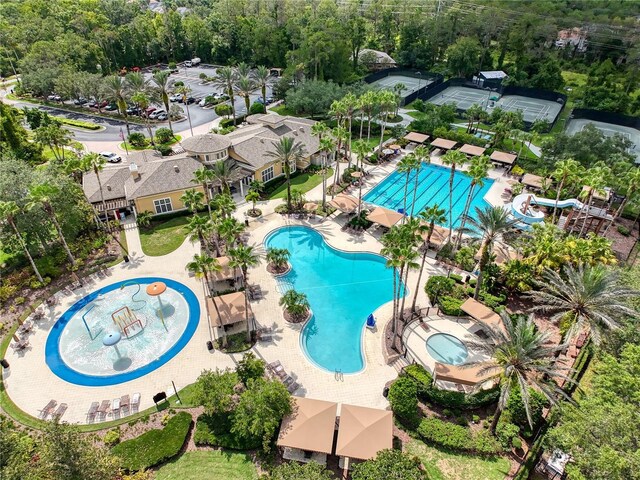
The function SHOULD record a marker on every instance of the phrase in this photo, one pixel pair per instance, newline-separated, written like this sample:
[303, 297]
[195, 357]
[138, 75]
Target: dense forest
[321, 38]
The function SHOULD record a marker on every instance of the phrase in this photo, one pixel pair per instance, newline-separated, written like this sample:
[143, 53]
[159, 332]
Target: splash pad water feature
[151, 331]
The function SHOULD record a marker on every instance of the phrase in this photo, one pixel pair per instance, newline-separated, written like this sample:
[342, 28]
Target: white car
[176, 97]
[111, 157]
[156, 113]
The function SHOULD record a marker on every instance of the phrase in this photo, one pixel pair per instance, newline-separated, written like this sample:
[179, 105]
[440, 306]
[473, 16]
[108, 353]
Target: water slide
[522, 208]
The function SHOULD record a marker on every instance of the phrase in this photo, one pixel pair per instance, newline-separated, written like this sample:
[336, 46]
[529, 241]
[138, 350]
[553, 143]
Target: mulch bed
[622, 245]
[278, 271]
[296, 318]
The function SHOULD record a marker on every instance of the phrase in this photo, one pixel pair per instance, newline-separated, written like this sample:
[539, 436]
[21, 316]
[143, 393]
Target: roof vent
[176, 169]
[108, 187]
[302, 129]
[262, 140]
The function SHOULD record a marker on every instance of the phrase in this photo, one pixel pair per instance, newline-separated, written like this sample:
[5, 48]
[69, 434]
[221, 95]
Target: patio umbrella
[310, 207]
[395, 147]
[384, 216]
[155, 290]
[356, 174]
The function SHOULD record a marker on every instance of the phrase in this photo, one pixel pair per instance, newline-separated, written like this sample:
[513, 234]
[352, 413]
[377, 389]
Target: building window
[292, 167]
[247, 180]
[267, 174]
[163, 205]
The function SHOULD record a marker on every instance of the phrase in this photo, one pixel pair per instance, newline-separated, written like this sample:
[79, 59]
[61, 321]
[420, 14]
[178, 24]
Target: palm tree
[161, 79]
[566, 170]
[341, 135]
[327, 145]
[223, 204]
[491, 223]
[224, 79]
[472, 114]
[201, 266]
[597, 178]
[252, 196]
[407, 165]
[520, 356]
[631, 181]
[95, 162]
[386, 104]
[243, 257]
[295, 303]
[185, 90]
[361, 149]
[452, 159]
[398, 88]
[8, 212]
[192, 199]
[422, 155]
[367, 105]
[261, 78]
[54, 136]
[244, 87]
[143, 219]
[136, 83]
[142, 100]
[243, 69]
[204, 176]
[278, 258]
[478, 171]
[230, 230]
[42, 195]
[199, 228]
[221, 171]
[287, 152]
[591, 296]
[350, 104]
[429, 218]
[117, 90]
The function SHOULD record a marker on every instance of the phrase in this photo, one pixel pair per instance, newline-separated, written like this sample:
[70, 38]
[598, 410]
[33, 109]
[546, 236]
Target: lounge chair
[124, 402]
[44, 413]
[115, 405]
[26, 327]
[93, 410]
[38, 314]
[293, 387]
[60, 411]
[19, 344]
[51, 301]
[103, 409]
[135, 401]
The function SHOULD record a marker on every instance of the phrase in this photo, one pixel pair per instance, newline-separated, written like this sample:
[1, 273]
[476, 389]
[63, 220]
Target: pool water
[445, 348]
[433, 188]
[77, 353]
[343, 288]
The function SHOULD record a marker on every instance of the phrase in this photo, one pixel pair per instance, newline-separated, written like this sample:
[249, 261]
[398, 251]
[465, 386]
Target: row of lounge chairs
[50, 409]
[124, 405]
[255, 292]
[277, 371]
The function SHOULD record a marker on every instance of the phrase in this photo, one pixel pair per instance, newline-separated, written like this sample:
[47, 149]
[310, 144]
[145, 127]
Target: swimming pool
[445, 348]
[343, 288]
[80, 350]
[433, 187]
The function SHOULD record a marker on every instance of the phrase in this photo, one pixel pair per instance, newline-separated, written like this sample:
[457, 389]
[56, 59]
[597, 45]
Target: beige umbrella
[310, 206]
[395, 147]
[384, 216]
[344, 203]
[356, 174]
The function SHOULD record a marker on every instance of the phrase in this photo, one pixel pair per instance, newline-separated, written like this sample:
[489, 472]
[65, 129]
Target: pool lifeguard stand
[126, 321]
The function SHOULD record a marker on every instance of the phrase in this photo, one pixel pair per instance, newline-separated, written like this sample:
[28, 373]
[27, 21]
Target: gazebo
[438, 237]
[532, 181]
[226, 271]
[232, 310]
[443, 144]
[363, 432]
[472, 150]
[480, 312]
[384, 217]
[415, 137]
[507, 159]
[307, 433]
[344, 203]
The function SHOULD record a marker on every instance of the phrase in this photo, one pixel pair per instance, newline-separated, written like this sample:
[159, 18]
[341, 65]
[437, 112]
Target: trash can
[126, 258]
[385, 392]
[4, 363]
[246, 222]
[209, 345]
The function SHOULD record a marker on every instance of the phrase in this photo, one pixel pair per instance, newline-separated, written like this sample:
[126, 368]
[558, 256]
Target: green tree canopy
[389, 465]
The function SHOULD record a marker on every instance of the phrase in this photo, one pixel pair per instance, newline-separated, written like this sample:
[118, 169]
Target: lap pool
[343, 288]
[433, 187]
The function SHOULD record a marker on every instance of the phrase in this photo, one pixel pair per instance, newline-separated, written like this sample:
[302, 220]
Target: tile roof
[112, 180]
[207, 143]
[162, 176]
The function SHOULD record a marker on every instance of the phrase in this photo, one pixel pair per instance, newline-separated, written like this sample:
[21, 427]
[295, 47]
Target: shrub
[7, 291]
[112, 437]
[450, 305]
[515, 408]
[438, 286]
[456, 277]
[505, 432]
[403, 397]
[464, 258]
[19, 300]
[164, 149]
[215, 430]
[250, 368]
[257, 107]
[622, 230]
[516, 443]
[475, 419]
[179, 83]
[222, 109]
[155, 446]
[517, 171]
[164, 135]
[137, 139]
[456, 437]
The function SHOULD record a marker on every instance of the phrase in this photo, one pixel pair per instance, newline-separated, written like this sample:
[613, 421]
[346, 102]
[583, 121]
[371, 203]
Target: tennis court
[412, 84]
[463, 97]
[576, 125]
[532, 108]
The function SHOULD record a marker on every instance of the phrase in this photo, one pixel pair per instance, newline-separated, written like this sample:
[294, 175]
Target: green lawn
[303, 182]
[284, 110]
[164, 237]
[444, 465]
[209, 464]
[374, 141]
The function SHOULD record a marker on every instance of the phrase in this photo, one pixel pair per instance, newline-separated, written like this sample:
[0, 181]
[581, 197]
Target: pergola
[532, 181]
[363, 432]
[462, 375]
[385, 217]
[503, 158]
[226, 271]
[443, 143]
[472, 150]
[480, 312]
[231, 307]
[438, 237]
[415, 137]
[344, 203]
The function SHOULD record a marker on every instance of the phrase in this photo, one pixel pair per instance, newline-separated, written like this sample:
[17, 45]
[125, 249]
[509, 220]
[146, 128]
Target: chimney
[133, 168]
[176, 169]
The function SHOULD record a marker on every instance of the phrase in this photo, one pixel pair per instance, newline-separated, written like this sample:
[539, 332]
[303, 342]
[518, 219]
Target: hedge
[403, 397]
[450, 305]
[215, 431]
[155, 446]
[456, 437]
[77, 123]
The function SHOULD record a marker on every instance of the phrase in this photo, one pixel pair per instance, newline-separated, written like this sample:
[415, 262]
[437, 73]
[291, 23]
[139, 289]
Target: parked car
[133, 110]
[149, 111]
[111, 157]
[80, 101]
[270, 100]
[162, 116]
[155, 113]
[54, 97]
[111, 107]
[192, 63]
[191, 100]
[94, 104]
[176, 97]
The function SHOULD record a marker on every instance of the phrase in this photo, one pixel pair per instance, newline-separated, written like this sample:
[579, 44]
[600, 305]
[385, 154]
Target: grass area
[374, 141]
[303, 182]
[284, 110]
[164, 237]
[216, 464]
[444, 465]
[148, 146]
[77, 123]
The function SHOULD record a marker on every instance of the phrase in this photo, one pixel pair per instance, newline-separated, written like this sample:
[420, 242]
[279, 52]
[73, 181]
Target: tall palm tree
[244, 87]
[8, 212]
[42, 195]
[243, 69]
[327, 145]
[361, 149]
[243, 257]
[142, 100]
[161, 80]
[478, 171]
[230, 230]
[261, 78]
[223, 204]
[350, 105]
[201, 266]
[341, 135]
[203, 176]
[597, 179]
[221, 171]
[452, 159]
[386, 104]
[491, 223]
[199, 228]
[95, 162]
[591, 296]
[224, 79]
[398, 88]
[422, 155]
[367, 105]
[136, 83]
[117, 90]
[185, 90]
[473, 114]
[631, 182]
[193, 200]
[566, 170]
[287, 151]
[429, 218]
[520, 356]
[407, 165]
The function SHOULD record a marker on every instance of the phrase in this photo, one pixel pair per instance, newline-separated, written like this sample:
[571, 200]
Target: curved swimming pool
[446, 348]
[150, 331]
[343, 288]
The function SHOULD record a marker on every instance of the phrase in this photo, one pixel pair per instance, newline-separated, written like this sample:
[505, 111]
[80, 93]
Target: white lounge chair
[135, 401]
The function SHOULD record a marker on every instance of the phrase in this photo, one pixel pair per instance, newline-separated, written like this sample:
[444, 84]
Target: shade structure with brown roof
[479, 311]
[384, 216]
[415, 137]
[438, 237]
[226, 272]
[533, 181]
[231, 307]
[310, 207]
[503, 157]
[344, 203]
[443, 143]
[472, 150]
[363, 432]
[462, 375]
[310, 426]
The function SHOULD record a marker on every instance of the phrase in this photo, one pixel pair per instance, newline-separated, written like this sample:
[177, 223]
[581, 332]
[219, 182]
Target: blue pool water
[343, 289]
[79, 356]
[445, 348]
[433, 187]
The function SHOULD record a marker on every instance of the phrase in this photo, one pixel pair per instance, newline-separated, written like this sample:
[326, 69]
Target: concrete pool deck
[31, 384]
